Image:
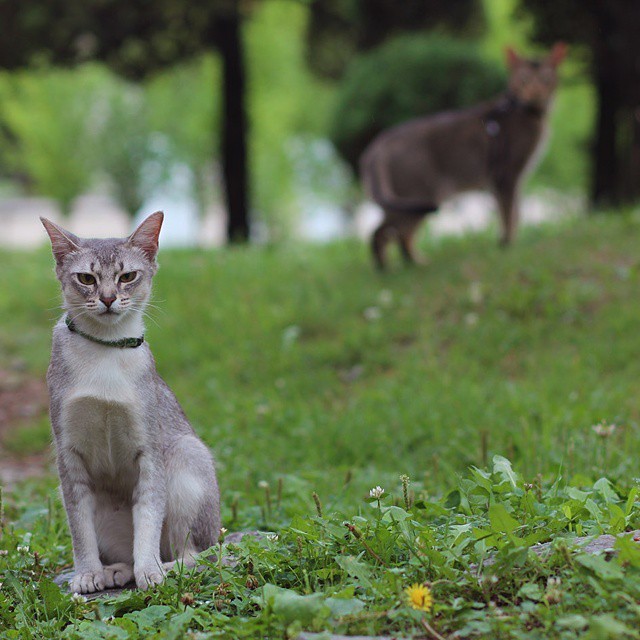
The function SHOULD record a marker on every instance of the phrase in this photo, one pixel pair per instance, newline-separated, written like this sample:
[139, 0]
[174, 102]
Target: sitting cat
[139, 487]
[410, 169]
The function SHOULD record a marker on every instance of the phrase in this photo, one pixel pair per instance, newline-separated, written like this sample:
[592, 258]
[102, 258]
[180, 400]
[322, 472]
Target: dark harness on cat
[494, 125]
[510, 103]
[123, 343]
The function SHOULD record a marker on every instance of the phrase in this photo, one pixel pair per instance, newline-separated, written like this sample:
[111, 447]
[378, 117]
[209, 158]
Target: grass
[479, 377]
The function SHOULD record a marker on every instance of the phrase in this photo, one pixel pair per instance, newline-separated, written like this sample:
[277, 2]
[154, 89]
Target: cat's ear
[558, 53]
[62, 242]
[146, 235]
[513, 59]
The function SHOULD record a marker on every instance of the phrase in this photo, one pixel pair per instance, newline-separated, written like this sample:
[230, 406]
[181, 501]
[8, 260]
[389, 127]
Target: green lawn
[304, 369]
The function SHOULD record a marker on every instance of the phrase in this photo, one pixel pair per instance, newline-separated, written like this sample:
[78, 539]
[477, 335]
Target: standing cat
[139, 487]
[410, 169]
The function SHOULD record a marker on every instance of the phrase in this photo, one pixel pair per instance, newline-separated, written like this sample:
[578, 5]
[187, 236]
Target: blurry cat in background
[410, 169]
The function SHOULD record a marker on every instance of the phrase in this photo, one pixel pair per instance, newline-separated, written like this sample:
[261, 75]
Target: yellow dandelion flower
[419, 596]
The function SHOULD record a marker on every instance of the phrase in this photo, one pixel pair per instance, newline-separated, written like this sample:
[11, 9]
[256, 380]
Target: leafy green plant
[47, 124]
[349, 572]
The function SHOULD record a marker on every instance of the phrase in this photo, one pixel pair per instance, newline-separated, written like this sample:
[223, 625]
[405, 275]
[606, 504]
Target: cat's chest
[106, 373]
[105, 407]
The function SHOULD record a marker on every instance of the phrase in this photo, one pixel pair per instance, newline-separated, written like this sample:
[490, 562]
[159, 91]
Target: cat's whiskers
[154, 307]
[141, 309]
[81, 314]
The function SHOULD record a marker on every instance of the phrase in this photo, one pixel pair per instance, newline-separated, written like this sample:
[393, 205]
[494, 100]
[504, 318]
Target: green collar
[123, 343]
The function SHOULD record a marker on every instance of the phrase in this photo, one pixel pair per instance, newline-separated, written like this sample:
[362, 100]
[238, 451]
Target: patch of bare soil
[14, 470]
[22, 398]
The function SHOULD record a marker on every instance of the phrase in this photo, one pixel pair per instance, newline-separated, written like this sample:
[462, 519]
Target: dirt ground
[22, 398]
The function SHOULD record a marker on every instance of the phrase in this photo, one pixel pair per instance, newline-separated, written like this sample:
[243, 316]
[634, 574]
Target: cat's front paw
[146, 578]
[87, 582]
[117, 575]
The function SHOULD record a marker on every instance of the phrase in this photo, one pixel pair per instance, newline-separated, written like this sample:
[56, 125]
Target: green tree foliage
[189, 133]
[289, 108]
[45, 132]
[64, 132]
[338, 29]
[409, 76]
[123, 142]
[607, 37]
[137, 38]
[171, 120]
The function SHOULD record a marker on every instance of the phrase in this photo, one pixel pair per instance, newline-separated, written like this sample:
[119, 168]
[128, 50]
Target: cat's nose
[107, 302]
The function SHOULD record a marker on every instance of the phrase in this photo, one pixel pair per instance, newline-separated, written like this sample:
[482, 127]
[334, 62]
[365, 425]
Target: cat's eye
[128, 277]
[86, 279]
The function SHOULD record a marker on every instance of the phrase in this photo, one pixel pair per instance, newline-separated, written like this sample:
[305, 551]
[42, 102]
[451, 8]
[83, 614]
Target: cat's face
[533, 82]
[106, 279]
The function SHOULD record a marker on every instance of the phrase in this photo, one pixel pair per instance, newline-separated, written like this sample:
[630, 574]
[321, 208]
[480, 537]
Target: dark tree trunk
[630, 139]
[234, 126]
[605, 183]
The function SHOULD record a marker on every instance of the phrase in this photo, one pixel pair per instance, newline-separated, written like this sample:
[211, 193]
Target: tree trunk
[631, 157]
[234, 126]
[604, 189]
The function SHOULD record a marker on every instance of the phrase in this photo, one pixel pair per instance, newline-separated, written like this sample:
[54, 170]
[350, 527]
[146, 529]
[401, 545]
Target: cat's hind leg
[407, 225]
[381, 237]
[192, 519]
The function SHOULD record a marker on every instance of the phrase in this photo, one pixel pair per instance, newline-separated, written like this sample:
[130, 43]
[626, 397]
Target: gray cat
[139, 487]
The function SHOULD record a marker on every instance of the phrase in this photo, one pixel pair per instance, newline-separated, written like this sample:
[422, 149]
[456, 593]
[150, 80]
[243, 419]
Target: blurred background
[306, 372]
[244, 120]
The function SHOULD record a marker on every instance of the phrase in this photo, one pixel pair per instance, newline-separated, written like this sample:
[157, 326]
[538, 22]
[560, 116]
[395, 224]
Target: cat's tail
[377, 183]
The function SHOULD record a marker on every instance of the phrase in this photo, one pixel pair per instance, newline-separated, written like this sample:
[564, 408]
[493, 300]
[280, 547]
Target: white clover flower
[376, 492]
[604, 430]
[273, 537]
[475, 292]
[471, 319]
[76, 598]
[386, 297]
[372, 313]
[23, 550]
[4, 552]
[263, 484]
[290, 335]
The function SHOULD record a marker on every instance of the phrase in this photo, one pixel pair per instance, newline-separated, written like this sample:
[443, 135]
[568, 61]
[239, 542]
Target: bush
[407, 77]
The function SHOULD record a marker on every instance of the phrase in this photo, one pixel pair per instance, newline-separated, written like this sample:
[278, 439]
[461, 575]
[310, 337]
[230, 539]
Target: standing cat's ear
[558, 53]
[62, 242]
[513, 59]
[146, 235]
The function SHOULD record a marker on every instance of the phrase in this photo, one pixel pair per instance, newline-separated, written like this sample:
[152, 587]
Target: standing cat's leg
[149, 504]
[379, 240]
[192, 522]
[407, 225]
[508, 200]
[80, 503]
